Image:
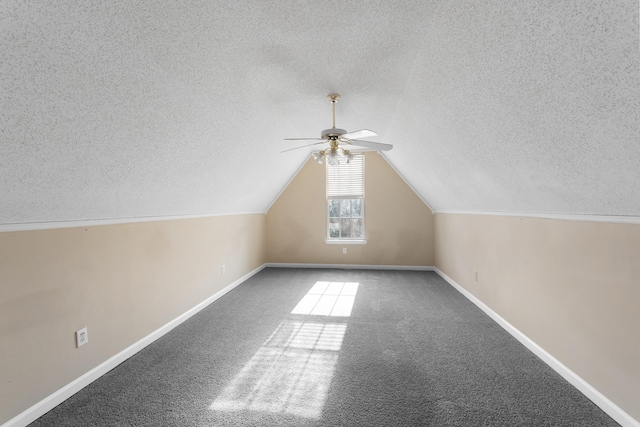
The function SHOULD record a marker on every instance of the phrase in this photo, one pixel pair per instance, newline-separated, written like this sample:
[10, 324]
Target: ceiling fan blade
[302, 146]
[304, 139]
[363, 133]
[370, 144]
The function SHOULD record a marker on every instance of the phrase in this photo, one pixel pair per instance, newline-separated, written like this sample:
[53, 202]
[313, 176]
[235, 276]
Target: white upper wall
[115, 110]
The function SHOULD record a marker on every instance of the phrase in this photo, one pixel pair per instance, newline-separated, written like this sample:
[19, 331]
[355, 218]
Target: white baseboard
[78, 384]
[613, 410]
[351, 266]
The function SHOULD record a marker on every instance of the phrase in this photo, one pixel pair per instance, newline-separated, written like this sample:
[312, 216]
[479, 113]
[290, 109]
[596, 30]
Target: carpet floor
[307, 347]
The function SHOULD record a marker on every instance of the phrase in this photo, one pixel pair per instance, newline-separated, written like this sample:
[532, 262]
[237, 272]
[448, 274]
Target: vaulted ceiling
[133, 109]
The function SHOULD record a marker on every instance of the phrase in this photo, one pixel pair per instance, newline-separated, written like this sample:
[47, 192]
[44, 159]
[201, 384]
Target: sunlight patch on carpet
[328, 299]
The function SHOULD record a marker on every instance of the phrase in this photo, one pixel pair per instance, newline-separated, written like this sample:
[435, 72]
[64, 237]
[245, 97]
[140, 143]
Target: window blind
[346, 180]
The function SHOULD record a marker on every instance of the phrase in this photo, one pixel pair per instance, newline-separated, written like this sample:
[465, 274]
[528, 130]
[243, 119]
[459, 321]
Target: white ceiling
[122, 109]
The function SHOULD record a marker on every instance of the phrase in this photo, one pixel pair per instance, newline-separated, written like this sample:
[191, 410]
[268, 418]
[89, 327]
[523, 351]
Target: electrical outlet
[82, 337]
[224, 268]
[344, 250]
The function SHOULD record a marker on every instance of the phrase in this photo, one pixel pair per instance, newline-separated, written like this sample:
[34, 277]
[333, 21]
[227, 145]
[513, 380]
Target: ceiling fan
[338, 139]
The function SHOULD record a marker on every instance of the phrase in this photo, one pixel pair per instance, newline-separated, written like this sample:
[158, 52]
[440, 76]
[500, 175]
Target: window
[345, 199]
[346, 219]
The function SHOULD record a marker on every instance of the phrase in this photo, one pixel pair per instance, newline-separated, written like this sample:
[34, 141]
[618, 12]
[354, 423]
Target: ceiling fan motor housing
[333, 133]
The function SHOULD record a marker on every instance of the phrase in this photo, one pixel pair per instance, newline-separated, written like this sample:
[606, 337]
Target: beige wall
[570, 286]
[398, 225]
[121, 281]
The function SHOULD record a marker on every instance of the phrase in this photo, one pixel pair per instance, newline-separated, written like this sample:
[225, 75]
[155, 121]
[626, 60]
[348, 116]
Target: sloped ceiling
[124, 110]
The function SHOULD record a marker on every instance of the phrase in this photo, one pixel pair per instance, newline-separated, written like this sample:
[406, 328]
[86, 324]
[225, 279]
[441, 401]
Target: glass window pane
[345, 208]
[334, 228]
[356, 208]
[345, 227]
[334, 208]
[358, 227]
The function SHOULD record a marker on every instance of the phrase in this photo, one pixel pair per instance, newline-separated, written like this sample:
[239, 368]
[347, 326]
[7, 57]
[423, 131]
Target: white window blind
[346, 180]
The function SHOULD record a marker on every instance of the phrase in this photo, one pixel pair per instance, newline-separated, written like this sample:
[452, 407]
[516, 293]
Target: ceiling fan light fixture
[332, 158]
[318, 157]
[348, 155]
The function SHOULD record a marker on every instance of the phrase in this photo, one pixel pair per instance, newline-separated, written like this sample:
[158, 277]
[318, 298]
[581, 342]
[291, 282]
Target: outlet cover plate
[82, 337]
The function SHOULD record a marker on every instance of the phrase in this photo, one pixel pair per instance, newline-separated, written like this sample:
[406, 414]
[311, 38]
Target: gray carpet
[412, 352]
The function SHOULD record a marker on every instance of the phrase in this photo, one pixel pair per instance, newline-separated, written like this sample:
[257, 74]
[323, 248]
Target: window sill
[345, 241]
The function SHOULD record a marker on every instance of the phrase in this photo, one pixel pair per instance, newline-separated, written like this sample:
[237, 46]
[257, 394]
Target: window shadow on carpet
[292, 371]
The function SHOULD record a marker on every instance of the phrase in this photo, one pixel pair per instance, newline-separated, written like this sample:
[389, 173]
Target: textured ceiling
[123, 109]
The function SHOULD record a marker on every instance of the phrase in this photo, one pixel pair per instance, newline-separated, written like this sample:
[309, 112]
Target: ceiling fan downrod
[333, 97]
